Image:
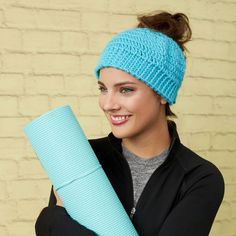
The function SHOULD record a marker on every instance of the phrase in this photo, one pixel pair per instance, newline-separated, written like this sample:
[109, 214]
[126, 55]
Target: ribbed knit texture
[76, 173]
[151, 57]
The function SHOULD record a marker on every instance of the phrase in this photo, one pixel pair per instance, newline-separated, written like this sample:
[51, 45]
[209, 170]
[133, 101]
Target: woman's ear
[163, 101]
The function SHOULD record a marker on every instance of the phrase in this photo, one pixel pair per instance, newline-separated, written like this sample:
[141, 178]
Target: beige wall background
[48, 51]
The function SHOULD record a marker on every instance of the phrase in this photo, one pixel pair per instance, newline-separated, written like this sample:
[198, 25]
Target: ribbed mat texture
[73, 168]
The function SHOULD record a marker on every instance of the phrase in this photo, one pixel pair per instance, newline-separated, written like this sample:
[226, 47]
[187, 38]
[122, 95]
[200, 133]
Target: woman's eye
[102, 89]
[126, 90]
[122, 90]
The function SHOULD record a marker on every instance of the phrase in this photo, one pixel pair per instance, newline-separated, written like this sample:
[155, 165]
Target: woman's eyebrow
[118, 84]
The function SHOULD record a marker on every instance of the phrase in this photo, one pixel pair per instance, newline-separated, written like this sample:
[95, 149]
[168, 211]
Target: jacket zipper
[133, 210]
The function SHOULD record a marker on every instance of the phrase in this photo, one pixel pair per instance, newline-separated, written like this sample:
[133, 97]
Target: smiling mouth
[118, 120]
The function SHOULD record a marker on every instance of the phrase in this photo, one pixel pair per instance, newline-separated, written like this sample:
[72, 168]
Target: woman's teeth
[119, 118]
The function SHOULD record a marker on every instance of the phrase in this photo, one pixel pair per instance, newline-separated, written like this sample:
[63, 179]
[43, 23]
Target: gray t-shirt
[142, 169]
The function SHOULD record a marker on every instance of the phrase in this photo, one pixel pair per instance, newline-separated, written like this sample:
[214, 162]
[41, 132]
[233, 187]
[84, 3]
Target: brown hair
[176, 26]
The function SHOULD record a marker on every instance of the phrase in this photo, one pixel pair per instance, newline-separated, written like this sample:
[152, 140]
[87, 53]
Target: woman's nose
[110, 102]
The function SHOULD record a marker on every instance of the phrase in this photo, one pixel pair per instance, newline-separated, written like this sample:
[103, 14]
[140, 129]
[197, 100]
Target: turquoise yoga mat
[73, 168]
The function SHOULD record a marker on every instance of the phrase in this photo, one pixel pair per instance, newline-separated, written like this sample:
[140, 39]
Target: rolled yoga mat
[73, 168]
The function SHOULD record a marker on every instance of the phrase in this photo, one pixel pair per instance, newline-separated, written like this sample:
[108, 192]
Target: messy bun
[176, 26]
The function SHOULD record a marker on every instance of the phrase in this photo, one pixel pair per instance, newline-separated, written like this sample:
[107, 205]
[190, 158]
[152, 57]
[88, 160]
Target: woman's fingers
[59, 202]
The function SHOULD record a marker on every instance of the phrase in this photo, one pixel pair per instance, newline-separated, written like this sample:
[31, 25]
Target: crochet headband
[149, 56]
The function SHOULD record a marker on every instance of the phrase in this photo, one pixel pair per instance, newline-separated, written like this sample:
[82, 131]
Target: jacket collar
[175, 140]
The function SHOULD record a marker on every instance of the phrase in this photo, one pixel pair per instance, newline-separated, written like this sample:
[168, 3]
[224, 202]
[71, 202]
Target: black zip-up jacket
[181, 197]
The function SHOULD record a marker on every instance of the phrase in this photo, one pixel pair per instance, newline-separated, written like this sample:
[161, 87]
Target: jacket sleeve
[55, 221]
[195, 212]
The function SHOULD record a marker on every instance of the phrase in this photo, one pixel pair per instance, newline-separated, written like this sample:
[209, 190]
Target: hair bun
[176, 26]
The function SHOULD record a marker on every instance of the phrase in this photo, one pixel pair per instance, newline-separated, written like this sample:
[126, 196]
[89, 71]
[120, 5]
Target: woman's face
[131, 107]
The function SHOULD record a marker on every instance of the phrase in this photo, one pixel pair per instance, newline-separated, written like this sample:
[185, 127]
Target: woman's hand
[58, 199]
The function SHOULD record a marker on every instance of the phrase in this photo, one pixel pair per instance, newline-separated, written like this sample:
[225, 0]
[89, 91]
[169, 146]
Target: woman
[166, 188]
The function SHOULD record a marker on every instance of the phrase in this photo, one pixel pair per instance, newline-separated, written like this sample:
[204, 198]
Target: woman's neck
[149, 144]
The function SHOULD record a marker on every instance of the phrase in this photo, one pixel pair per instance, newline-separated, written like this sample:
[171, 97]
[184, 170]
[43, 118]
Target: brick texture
[48, 51]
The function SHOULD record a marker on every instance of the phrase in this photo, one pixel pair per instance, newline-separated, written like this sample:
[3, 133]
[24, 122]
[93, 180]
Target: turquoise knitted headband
[149, 56]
